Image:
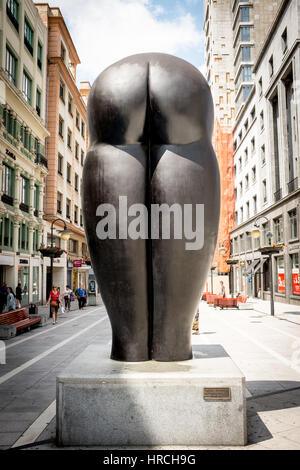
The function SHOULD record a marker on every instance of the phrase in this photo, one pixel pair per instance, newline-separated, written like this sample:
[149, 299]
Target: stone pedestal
[101, 402]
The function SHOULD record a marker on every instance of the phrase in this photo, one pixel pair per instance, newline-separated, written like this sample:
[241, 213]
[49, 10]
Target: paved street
[266, 349]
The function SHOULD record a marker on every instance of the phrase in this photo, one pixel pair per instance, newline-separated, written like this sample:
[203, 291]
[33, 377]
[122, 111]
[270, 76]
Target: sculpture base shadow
[101, 402]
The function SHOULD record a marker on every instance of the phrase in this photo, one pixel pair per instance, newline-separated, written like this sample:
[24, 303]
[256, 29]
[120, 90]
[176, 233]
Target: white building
[267, 163]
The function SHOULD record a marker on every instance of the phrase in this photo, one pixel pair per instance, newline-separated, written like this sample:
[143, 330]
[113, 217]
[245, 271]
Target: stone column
[16, 234]
[2, 206]
[17, 198]
[31, 230]
[41, 198]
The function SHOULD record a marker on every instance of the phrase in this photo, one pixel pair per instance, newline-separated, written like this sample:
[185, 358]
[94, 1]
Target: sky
[105, 31]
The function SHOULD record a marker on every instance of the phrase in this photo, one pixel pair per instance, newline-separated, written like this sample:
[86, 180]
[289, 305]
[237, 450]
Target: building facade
[23, 163]
[66, 150]
[267, 164]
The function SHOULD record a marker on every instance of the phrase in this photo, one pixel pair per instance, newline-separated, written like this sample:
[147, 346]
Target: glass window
[278, 232]
[59, 204]
[294, 260]
[7, 180]
[36, 200]
[70, 105]
[246, 53]
[28, 36]
[83, 129]
[68, 209]
[27, 87]
[82, 158]
[61, 127]
[60, 164]
[77, 120]
[24, 237]
[38, 102]
[284, 40]
[293, 224]
[247, 73]
[246, 92]
[248, 241]
[280, 274]
[62, 91]
[6, 232]
[76, 215]
[69, 173]
[24, 190]
[35, 284]
[11, 66]
[23, 278]
[245, 14]
[12, 10]
[76, 182]
[245, 33]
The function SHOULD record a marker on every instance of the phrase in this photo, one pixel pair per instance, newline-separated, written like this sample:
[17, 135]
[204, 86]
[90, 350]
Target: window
[284, 41]
[253, 114]
[246, 125]
[36, 199]
[246, 156]
[83, 129]
[68, 173]
[280, 284]
[263, 155]
[69, 140]
[76, 179]
[271, 66]
[70, 105]
[24, 190]
[245, 14]
[12, 10]
[27, 87]
[254, 174]
[73, 246]
[278, 233]
[62, 52]
[217, 78]
[265, 231]
[248, 210]
[293, 224]
[247, 73]
[77, 120]
[245, 33]
[240, 164]
[60, 162]
[7, 180]
[11, 66]
[234, 170]
[76, 215]
[246, 92]
[38, 101]
[236, 217]
[241, 189]
[61, 127]
[247, 182]
[264, 190]
[28, 36]
[82, 157]
[254, 205]
[294, 262]
[62, 91]
[252, 145]
[240, 136]
[242, 242]
[76, 150]
[59, 203]
[260, 87]
[24, 237]
[248, 241]
[68, 209]
[81, 219]
[39, 55]
[262, 123]
[246, 53]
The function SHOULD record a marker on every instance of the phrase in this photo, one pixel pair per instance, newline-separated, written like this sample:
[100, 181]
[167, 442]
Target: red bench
[204, 295]
[20, 318]
[224, 302]
[210, 298]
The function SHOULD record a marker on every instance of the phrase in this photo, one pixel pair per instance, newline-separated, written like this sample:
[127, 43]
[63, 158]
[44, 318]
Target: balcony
[24, 207]
[41, 160]
[7, 199]
[278, 195]
[293, 185]
[12, 18]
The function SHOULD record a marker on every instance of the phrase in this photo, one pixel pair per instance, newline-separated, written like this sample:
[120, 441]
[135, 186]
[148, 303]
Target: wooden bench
[224, 302]
[19, 318]
[210, 298]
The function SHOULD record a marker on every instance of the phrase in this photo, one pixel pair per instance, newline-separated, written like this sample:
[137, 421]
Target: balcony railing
[24, 207]
[12, 18]
[41, 160]
[278, 195]
[7, 199]
[293, 185]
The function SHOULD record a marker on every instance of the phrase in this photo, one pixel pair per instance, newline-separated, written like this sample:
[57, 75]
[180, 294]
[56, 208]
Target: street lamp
[267, 251]
[65, 235]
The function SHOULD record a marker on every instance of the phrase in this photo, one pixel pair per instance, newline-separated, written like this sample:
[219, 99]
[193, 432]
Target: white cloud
[105, 31]
[203, 69]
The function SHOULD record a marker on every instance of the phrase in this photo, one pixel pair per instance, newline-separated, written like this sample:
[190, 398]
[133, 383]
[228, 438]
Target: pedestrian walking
[10, 301]
[19, 293]
[3, 296]
[81, 295]
[223, 290]
[67, 298]
[54, 300]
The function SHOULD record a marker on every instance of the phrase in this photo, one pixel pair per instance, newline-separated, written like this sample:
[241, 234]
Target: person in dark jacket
[19, 293]
[3, 296]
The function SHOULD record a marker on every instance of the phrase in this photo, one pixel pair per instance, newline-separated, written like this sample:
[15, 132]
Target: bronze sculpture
[150, 125]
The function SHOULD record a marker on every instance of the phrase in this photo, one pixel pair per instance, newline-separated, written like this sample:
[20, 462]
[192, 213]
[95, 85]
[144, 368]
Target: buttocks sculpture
[150, 127]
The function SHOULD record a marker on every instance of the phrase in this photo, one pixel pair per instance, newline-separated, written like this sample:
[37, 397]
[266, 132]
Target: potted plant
[51, 251]
[271, 249]
[232, 261]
